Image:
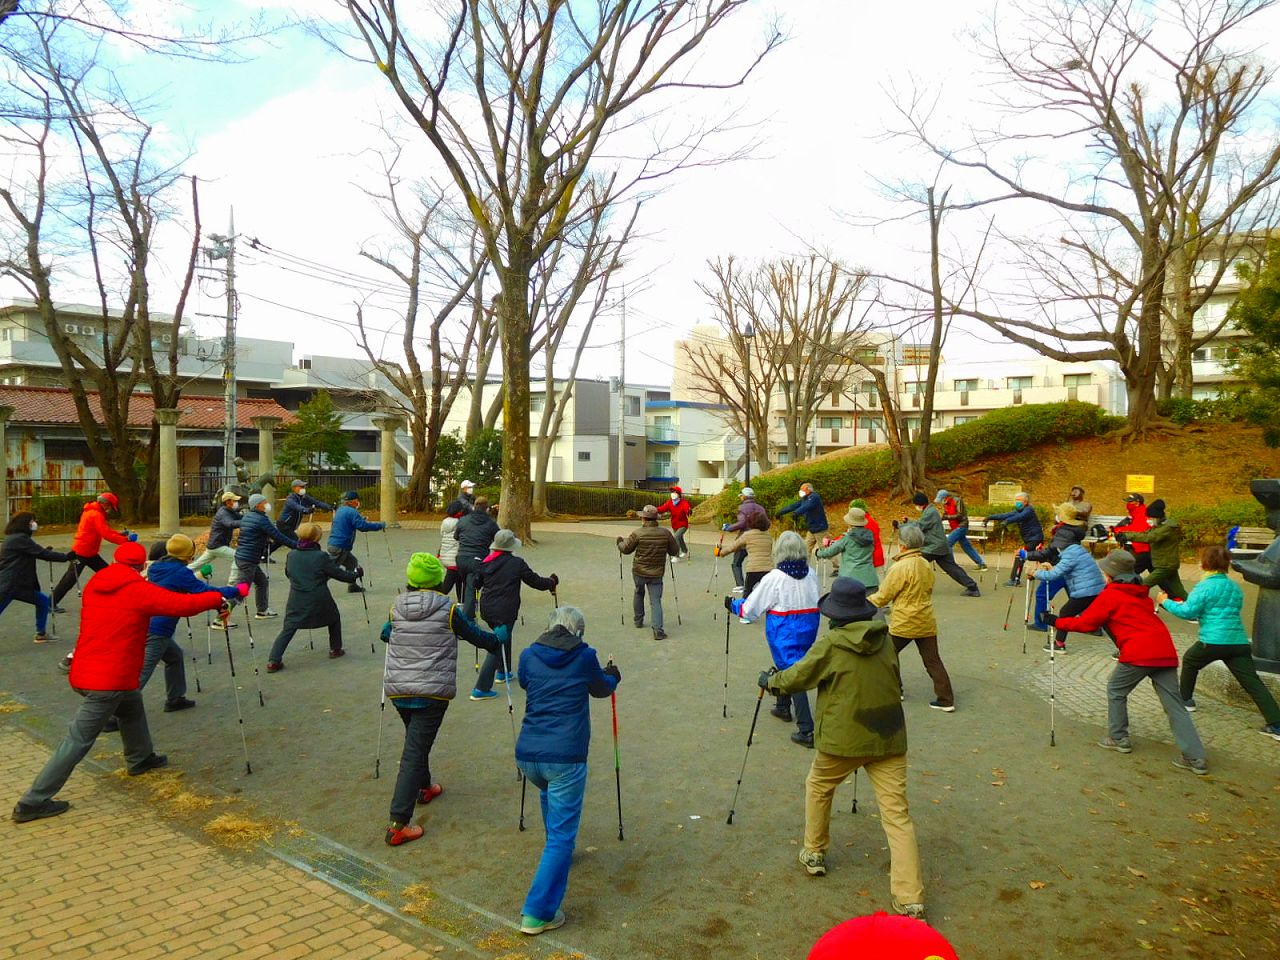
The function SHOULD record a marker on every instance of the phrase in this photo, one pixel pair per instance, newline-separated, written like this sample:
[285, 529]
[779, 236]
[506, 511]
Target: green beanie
[424, 571]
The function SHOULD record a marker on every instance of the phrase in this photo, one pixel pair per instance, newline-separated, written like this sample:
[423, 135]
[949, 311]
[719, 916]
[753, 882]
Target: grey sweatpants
[653, 585]
[1124, 678]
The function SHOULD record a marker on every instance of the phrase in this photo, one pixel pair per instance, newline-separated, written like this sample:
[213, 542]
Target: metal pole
[622, 395]
[229, 356]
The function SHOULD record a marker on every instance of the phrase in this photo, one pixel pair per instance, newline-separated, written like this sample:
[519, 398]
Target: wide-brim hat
[847, 601]
[505, 540]
[1117, 564]
[1067, 513]
[649, 512]
[856, 517]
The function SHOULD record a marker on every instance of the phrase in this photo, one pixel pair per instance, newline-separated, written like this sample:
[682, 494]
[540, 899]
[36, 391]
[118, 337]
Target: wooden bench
[1251, 541]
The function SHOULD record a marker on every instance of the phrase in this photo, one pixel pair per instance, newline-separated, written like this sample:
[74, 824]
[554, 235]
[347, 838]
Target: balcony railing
[661, 434]
[660, 469]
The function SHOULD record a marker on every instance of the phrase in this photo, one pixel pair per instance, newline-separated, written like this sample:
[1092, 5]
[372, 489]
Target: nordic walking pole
[754, 717]
[724, 709]
[524, 783]
[1026, 612]
[617, 760]
[235, 689]
[1053, 691]
[622, 603]
[53, 617]
[1008, 611]
[208, 635]
[511, 710]
[382, 713]
[855, 792]
[675, 592]
[195, 661]
[253, 656]
[715, 571]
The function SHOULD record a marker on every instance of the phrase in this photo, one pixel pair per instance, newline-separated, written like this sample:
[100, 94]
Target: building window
[830, 423]
[536, 403]
[633, 406]
[584, 456]
[916, 386]
[960, 420]
[868, 388]
[965, 386]
[870, 423]
[1077, 379]
[783, 458]
[1018, 383]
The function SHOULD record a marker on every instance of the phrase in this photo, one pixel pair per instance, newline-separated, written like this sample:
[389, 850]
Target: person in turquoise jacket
[855, 549]
[1216, 601]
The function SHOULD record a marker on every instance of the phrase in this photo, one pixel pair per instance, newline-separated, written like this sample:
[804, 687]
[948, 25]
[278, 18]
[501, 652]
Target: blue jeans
[960, 535]
[175, 668]
[1046, 590]
[561, 787]
[42, 609]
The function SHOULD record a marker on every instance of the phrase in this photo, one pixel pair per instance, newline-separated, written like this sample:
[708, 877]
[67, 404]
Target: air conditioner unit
[166, 338]
[70, 328]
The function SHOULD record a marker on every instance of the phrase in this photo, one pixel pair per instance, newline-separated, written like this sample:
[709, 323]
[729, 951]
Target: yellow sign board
[1002, 492]
[1140, 483]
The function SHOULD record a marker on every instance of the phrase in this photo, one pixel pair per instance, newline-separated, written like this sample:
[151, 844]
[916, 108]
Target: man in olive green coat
[858, 724]
[1165, 538]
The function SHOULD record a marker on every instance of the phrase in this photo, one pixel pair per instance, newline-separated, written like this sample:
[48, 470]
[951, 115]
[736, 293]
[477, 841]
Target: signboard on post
[1003, 492]
[1140, 483]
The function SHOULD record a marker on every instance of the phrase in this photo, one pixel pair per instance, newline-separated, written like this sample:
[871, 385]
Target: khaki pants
[888, 776]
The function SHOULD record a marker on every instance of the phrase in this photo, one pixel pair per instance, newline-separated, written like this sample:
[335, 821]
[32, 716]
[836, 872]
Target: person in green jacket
[855, 550]
[1165, 538]
[1216, 601]
[858, 724]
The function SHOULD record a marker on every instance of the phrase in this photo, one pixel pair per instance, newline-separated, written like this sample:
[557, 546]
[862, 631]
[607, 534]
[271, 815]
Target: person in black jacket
[475, 532]
[499, 581]
[298, 507]
[19, 577]
[309, 570]
[221, 529]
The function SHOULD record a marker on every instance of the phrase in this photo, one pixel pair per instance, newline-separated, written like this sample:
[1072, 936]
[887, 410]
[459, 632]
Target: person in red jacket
[1136, 505]
[1125, 611]
[679, 509]
[877, 548]
[93, 529]
[118, 605]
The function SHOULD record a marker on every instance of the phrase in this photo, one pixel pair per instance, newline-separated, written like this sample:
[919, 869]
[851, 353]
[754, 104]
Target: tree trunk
[417, 495]
[517, 488]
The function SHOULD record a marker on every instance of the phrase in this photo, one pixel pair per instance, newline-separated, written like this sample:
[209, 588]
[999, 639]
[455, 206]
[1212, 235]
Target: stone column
[266, 444]
[168, 421]
[5, 413]
[387, 485]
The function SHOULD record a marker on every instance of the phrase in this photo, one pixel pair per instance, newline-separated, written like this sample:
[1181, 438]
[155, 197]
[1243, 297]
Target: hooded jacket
[558, 672]
[1061, 536]
[1137, 523]
[651, 545]
[1025, 519]
[1079, 571]
[499, 582]
[474, 532]
[172, 574]
[909, 587]
[19, 574]
[679, 510]
[751, 516]
[117, 605]
[811, 509]
[789, 604]
[257, 533]
[1165, 539]
[856, 550]
[935, 537]
[759, 547]
[342, 535]
[309, 570]
[859, 710]
[448, 554]
[296, 506]
[1126, 610]
[92, 530]
[225, 523]
[422, 658]
[1215, 601]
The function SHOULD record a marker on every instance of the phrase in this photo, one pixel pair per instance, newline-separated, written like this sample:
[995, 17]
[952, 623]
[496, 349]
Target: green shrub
[581, 501]
[1202, 526]
[59, 509]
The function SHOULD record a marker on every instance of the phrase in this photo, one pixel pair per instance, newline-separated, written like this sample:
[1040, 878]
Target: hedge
[998, 432]
[581, 501]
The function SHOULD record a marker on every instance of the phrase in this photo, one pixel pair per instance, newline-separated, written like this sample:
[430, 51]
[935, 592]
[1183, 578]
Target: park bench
[1251, 541]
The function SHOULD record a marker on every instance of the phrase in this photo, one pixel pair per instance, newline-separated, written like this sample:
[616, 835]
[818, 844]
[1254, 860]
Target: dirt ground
[1029, 850]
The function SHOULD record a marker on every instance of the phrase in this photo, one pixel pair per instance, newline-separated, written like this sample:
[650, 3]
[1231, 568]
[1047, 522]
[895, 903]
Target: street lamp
[748, 334]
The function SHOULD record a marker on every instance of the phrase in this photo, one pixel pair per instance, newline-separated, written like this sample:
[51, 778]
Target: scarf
[795, 569]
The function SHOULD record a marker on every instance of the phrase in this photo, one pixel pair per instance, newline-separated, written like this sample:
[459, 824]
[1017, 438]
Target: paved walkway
[102, 881]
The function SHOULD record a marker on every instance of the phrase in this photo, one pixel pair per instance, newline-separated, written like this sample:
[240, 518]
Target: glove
[206, 571]
[715, 551]
[764, 677]
[728, 604]
[242, 589]
[724, 527]
[611, 670]
[502, 632]
[1121, 539]
[826, 541]
[1048, 619]
[896, 524]
[619, 539]
[133, 538]
[359, 573]
[555, 580]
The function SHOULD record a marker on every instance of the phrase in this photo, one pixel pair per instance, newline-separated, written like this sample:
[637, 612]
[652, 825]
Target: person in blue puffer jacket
[342, 535]
[257, 533]
[787, 598]
[1078, 572]
[559, 674]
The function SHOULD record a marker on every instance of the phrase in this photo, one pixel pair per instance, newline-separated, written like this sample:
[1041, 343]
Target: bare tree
[517, 99]
[1151, 103]
[104, 213]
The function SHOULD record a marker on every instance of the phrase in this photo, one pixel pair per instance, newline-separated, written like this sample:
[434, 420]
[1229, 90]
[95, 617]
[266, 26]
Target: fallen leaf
[1137, 873]
[1146, 945]
[1037, 884]
[592, 849]
[997, 783]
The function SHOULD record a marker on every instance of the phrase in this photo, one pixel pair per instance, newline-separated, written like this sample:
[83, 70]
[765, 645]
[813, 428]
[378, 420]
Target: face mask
[34, 526]
[675, 498]
[266, 508]
[801, 494]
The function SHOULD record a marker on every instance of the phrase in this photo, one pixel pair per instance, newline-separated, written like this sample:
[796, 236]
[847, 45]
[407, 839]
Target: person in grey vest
[421, 677]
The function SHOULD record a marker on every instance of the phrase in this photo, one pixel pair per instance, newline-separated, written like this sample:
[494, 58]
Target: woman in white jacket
[448, 556]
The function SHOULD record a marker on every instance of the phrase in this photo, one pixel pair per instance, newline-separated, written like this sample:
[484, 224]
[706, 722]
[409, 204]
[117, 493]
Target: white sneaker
[737, 590]
[265, 615]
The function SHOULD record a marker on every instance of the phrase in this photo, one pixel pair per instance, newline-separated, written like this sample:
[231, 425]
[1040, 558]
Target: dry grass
[498, 940]
[234, 830]
[168, 789]
[12, 706]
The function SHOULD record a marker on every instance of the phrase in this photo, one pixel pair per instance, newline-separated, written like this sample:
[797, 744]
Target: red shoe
[427, 794]
[335, 654]
[273, 667]
[399, 833]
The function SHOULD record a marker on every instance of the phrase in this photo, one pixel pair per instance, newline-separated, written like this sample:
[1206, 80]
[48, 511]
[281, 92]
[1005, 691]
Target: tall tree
[1256, 312]
[315, 440]
[1151, 105]
[517, 99]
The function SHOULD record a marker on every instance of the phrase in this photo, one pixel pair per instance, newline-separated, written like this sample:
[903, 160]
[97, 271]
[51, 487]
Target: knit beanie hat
[920, 500]
[424, 571]
[310, 532]
[180, 546]
[882, 937]
[132, 553]
[1156, 509]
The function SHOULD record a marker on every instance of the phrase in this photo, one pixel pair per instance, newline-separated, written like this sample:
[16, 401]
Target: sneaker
[1038, 627]
[737, 590]
[639, 624]
[427, 794]
[1119, 746]
[181, 703]
[983, 568]
[65, 664]
[398, 833]
[484, 694]
[501, 677]
[153, 762]
[936, 705]
[913, 910]
[45, 638]
[265, 615]
[1198, 767]
[274, 667]
[1055, 648]
[219, 624]
[58, 609]
[743, 620]
[532, 926]
[659, 634]
[803, 739]
[814, 862]
[1116, 657]
[1190, 705]
[335, 654]
[782, 713]
[26, 812]
[972, 592]
[1013, 582]
[685, 556]
[1271, 730]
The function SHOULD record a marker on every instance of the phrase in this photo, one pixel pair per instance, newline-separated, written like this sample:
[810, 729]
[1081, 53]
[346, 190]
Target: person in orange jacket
[679, 508]
[93, 529]
[1136, 506]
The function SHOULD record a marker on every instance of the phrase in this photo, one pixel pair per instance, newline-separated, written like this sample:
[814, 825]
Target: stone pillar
[5, 413]
[168, 421]
[387, 485]
[266, 444]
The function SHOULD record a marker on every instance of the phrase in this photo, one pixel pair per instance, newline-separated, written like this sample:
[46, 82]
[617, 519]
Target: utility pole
[226, 249]
[622, 395]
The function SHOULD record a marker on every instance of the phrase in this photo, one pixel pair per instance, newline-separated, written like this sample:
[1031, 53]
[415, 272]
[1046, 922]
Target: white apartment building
[688, 443]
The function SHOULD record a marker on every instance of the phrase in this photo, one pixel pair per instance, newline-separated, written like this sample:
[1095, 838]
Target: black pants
[453, 580]
[947, 564]
[468, 570]
[347, 561]
[421, 724]
[1072, 608]
[78, 563]
[1016, 572]
[752, 580]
